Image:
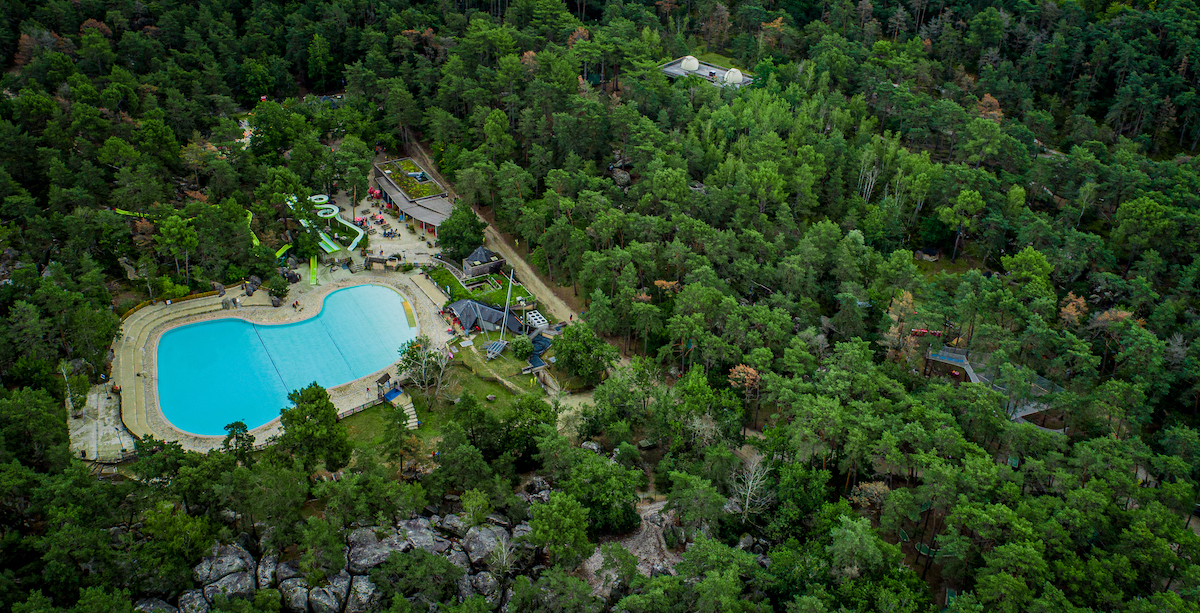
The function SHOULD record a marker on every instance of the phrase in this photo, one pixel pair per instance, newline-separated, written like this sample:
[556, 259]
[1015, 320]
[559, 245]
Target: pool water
[213, 373]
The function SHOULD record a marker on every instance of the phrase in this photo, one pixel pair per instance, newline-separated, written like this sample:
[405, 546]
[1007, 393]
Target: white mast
[504, 320]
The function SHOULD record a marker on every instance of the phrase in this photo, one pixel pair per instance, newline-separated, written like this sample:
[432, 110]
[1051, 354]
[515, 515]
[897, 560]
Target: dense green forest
[757, 261]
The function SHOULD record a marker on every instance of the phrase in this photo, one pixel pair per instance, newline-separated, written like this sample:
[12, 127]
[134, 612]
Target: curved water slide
[325, 210]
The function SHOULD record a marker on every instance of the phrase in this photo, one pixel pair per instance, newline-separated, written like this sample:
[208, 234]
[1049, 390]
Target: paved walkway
[430, 289]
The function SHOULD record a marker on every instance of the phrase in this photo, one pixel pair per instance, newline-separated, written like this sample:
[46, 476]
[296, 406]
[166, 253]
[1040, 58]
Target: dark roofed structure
[473, 313]
[481, 262]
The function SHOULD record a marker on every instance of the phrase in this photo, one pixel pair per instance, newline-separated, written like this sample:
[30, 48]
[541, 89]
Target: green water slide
[312, 270]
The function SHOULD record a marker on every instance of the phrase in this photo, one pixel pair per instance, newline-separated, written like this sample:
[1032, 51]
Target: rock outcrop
[481, 541]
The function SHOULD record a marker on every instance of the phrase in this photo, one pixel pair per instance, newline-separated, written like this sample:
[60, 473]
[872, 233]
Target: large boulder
[237, 585]
[465, 588]
[226, 560]
[486, 585]
[522, 529]
[420, 533]
[154, 605]
[287, 570]
[367, 550]
[441, 545]
[458, 557]
[329, 598]
[295, 594]
[480, 541]
[192, 601]
[363, 596]
[454, 525]
[266, 571]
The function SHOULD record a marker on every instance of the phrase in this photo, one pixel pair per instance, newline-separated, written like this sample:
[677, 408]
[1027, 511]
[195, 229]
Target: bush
[125, 305]
[278, 287]
[522, 347]
[234, 274]
[407, 268]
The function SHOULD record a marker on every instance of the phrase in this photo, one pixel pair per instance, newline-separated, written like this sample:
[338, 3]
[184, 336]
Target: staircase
[355, 267]
[411, 423]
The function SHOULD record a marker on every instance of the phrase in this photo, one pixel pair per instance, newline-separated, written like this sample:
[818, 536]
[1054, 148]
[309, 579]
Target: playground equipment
[325, 210]
[253, 237]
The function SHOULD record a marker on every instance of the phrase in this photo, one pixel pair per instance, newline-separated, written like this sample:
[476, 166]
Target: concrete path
[429, 288]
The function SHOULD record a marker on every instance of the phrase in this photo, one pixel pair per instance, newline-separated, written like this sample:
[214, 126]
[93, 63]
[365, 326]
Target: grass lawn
[717, 59]
[366, 426]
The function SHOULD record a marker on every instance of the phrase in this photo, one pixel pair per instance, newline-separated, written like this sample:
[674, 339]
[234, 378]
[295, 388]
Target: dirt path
[548, 301]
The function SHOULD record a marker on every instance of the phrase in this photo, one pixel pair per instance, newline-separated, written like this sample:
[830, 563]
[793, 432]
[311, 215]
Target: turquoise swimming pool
[216, 372]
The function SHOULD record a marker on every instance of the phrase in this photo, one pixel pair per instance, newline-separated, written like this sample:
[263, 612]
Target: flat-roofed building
[717, 75]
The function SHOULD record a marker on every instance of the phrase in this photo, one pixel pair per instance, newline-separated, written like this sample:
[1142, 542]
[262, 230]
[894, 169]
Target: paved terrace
[135, 351]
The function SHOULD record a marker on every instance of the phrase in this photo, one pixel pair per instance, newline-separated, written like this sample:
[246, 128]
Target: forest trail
[548, 301]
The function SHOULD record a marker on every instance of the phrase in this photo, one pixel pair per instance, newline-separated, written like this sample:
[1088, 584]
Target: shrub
[522, 347]
[278, 287]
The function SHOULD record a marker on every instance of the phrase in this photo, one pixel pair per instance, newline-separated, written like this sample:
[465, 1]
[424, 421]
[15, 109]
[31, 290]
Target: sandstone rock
[465, 588]
[363, 596]
[237, 585]
[499, 520]
[459, 558]
[454, 524]
[287, 570]
[486, 585]
[537, 484]
[593, 446]
[321, 600]
[192, 601]
[226, 561]
[329, 598]
[266, 571]
[367, 551]
[621, 178]
[441, 545]
[295, 594]
[521, 530]
[746, 542]
[154, 605]
[420, 533]
[480, 541]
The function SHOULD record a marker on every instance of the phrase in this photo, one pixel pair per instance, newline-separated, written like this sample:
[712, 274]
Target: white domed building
[689, 65]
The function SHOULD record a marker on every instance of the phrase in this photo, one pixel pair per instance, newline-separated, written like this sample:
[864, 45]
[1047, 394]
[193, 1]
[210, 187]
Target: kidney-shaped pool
[217, 372]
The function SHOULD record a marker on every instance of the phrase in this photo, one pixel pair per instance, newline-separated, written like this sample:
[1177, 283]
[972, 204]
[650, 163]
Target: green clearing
[470, 375]
[492, 295]
[717, 59]
[963, 264]
[366, 427]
